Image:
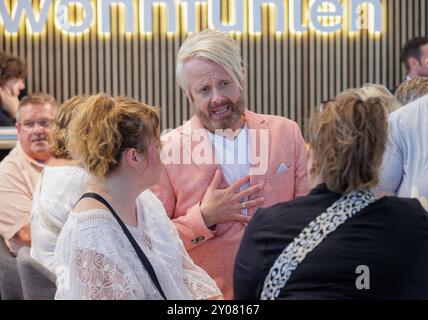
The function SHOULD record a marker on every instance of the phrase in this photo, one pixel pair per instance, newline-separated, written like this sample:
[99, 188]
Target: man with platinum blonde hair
[215, 47]
[227, 161]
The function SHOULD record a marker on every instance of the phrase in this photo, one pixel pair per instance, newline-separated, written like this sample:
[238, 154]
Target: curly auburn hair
[60, 127]
[11, 68]
[349, 138]
[104, 126]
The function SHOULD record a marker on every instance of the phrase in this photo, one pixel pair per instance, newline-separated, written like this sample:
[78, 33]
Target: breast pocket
[281, 185]
[281, 176]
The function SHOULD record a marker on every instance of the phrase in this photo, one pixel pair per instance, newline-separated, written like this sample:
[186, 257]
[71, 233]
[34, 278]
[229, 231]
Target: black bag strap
[146, 263]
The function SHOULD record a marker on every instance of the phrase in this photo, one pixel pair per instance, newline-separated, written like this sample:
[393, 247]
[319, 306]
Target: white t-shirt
[234, 157]
[56, 193]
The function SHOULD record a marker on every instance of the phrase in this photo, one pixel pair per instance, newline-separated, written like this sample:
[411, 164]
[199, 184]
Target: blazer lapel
[259, 140]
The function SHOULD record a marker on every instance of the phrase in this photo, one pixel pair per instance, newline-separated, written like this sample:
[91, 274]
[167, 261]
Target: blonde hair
[369, 90]
[215, 46]
[60, 127]
[348, 138]
[104, 127]
[411, 90]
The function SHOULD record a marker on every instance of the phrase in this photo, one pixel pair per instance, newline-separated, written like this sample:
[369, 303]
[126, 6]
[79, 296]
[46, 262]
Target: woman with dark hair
[13, 71]
[338, 242]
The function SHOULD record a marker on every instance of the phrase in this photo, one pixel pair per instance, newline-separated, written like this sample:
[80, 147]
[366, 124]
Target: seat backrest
[10, 284]
[38, 283]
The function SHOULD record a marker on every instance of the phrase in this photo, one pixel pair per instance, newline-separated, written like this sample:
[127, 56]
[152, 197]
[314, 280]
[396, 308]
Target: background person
[414, 56]
[21, 168]
[404, 169]
[13, 72]
[59, 187]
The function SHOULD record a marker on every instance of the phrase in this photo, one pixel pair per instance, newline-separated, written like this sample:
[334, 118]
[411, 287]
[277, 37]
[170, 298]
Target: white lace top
[56, 193]
[95, 260]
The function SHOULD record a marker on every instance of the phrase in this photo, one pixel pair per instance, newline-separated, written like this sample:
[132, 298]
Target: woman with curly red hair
[118, 242]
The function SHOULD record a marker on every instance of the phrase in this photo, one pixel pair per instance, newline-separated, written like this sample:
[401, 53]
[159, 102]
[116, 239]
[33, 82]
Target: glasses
[44, 123]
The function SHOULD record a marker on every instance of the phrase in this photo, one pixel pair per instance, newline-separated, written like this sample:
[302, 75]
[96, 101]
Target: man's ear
[413, 62]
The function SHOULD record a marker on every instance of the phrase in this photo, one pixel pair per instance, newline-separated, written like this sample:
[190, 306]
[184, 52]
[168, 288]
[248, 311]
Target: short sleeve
[15, 201]
[199, 284]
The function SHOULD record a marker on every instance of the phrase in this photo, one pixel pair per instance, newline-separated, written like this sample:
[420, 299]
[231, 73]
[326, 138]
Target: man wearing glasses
[20, 170]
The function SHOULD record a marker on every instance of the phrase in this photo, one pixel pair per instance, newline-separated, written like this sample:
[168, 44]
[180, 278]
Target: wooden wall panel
[287, 74]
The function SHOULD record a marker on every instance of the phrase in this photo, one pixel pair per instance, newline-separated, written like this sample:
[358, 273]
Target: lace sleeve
[100, 278]
[199, 283]
[95, 265]
[196, 280]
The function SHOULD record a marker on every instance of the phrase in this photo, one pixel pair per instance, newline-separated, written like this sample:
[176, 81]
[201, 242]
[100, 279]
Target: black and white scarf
[317, 230]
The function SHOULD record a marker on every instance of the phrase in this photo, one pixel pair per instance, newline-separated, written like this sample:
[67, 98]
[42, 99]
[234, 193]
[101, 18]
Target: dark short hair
[11, 67]
[412, 49]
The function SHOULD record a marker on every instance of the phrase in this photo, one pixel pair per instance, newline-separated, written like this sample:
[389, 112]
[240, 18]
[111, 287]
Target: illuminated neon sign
[140, 18]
